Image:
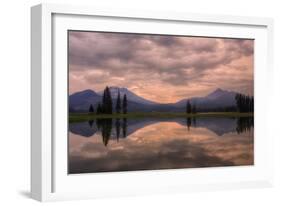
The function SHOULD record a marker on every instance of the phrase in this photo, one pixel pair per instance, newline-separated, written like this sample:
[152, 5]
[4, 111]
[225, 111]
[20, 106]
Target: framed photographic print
[134, 102]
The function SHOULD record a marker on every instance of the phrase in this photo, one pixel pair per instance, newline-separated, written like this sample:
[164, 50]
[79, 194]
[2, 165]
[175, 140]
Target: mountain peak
[218, 90]
[86, 92]
[218, 93]
[131, 96]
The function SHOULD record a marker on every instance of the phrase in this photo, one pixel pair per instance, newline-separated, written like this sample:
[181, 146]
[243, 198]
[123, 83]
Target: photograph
[140, 101]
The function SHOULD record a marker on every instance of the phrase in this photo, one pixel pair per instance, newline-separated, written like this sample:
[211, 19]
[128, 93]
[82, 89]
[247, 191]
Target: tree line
[106, 106]
[244, 103]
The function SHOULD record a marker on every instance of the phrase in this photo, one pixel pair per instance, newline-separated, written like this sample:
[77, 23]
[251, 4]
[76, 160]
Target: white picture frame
[48, 141]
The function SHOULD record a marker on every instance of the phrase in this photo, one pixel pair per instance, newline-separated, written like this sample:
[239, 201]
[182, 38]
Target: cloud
[127, 60]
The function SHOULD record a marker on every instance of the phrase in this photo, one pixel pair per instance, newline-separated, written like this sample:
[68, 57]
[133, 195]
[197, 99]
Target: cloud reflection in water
[159, 144]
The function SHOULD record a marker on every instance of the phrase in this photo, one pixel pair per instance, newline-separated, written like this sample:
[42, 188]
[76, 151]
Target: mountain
[216, 94]
[81, 101]
[224, 97]
[216, 99]
[130, 95]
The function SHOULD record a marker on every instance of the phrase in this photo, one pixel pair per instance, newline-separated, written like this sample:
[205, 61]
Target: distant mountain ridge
[217, 98]
[81, 101]
[130, 95]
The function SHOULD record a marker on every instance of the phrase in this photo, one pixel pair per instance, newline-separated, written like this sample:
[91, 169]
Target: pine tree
[91, 109]
[99, 110]
[188, 107]
[124, 106]
[244, 103]
[106, 102]
[109, 102]
[118, 103]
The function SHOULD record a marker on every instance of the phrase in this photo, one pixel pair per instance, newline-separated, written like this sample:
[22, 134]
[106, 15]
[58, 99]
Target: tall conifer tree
[118, 103]
[91, 109]
[188, 107]
[106, 102]
[124, 105]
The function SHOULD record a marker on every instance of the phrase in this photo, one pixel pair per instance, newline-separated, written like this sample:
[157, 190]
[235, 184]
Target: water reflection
[244, 124]
[124, 127]
[117, 126]
[91, 122]
[140, 144]
[188, 123]
[194, 121]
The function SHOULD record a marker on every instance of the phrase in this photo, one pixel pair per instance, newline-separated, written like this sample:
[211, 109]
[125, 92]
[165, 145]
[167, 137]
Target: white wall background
[15, 101]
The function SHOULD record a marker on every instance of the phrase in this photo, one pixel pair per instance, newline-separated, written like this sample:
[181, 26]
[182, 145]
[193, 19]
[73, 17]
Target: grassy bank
[78, 117]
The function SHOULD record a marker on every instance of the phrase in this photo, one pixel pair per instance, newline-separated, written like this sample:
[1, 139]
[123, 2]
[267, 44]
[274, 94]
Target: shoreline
[79, 117]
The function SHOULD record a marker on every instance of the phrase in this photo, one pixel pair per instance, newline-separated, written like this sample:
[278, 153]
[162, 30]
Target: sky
[161, 68]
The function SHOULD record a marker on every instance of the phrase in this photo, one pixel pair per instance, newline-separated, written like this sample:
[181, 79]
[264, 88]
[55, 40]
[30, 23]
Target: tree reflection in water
[188, 123]
[117, 126]
[105, 127]
[124, 127]
[244, 124]
[241, 125]
[91, 122]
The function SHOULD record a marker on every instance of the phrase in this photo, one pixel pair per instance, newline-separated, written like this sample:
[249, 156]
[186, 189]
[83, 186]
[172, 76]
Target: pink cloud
[160, 68]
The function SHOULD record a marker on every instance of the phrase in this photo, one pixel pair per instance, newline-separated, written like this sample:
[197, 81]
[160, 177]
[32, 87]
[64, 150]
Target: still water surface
[145, 144]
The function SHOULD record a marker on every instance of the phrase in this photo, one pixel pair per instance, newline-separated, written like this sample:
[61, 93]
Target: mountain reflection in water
[106, 145]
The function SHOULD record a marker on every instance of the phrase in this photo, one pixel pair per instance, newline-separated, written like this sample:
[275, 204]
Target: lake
[108, 145]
